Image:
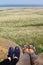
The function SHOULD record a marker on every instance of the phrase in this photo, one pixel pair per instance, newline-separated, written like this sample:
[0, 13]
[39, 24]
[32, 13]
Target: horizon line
[21, 4]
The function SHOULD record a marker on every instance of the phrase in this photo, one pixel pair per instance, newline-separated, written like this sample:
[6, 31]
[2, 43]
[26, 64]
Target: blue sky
[21, 2]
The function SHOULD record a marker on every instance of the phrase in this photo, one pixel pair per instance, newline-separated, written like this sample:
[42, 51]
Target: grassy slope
[23, 26]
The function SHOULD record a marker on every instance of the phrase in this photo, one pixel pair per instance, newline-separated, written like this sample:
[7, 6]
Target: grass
[23, 26]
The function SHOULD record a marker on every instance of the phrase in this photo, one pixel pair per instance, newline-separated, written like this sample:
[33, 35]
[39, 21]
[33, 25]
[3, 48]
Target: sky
[39, 2]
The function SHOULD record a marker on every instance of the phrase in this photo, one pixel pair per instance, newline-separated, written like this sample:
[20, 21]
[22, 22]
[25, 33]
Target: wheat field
[23, 26]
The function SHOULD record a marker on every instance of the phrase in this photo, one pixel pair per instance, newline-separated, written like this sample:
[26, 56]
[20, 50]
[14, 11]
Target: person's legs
[14, 61]
[31, 50]
[5, 62]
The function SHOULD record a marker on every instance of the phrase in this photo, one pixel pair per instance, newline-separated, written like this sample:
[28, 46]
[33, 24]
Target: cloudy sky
[21, 2]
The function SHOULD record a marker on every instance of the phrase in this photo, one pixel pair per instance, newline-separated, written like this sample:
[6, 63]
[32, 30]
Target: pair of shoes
[14, 52]
[29, 48]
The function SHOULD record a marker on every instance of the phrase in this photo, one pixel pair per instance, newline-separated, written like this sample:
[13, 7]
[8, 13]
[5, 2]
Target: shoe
[25, 49]
[32, 48]
[10, 53]
[16, 52]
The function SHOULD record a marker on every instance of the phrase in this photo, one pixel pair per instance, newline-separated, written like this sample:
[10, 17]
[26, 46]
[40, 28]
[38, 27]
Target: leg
[24, 60]
[33, 56]
[5, 62]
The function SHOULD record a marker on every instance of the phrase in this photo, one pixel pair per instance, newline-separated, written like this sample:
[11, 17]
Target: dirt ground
[4, 46]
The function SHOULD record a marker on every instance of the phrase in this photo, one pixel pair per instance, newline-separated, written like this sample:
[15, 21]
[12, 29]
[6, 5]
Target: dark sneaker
[10, 53]
[17, 52]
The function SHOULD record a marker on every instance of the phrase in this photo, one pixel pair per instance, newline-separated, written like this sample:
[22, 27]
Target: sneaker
[10, 53]
[17, 52]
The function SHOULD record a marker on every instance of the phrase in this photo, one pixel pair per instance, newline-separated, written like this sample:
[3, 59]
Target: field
[22, 26]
